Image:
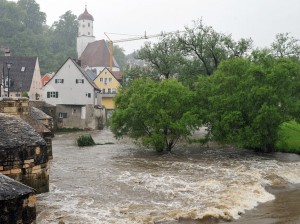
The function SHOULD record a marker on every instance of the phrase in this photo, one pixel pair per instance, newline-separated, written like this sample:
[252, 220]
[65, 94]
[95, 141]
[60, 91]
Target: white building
[92, 54]
[77, 98]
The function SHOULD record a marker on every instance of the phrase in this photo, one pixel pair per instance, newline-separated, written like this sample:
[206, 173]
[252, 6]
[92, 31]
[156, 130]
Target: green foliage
[25, 94]
[85, 140]
[119, 55]
[24, 31]
[158, 113]
[163, 57]
[289, 140]
[246, 101]
[209, 48]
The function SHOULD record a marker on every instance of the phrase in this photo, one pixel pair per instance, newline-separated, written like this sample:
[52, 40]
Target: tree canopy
[246, 101]
[24, 31]
[158, 113]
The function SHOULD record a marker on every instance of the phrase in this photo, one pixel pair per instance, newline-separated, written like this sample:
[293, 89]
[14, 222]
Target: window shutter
[56, 94]
[62, 81]
[76, 81]
[48, 94]
[55, 80]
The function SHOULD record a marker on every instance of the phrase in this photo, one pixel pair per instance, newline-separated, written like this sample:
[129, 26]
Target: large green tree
[209, 47]
[164, 57]
[246, 101]
[158, 113]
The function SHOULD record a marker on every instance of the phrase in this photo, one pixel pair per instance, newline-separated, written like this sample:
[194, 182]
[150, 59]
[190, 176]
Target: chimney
[6, 52]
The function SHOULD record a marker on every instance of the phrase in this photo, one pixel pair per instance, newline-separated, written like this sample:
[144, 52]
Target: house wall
[107, 97]
[69, 93]
[84, 117]
[108, 103]
[36, 83]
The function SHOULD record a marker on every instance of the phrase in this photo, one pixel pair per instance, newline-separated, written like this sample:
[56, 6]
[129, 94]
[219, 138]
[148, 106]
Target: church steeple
[85, 31]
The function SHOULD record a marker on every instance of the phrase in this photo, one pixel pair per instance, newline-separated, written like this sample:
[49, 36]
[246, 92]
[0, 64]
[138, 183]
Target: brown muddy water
[120, 183]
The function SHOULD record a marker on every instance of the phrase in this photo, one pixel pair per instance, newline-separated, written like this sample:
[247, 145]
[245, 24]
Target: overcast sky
[259, 19]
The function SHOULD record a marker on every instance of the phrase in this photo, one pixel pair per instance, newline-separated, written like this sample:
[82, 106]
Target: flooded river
[120, 183]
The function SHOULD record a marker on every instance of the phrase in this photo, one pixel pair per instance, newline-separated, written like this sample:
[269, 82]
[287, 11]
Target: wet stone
[17, 202]
[22, 153]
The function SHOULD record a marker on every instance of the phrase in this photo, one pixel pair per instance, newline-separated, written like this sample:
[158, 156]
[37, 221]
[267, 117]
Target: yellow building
[109, 82]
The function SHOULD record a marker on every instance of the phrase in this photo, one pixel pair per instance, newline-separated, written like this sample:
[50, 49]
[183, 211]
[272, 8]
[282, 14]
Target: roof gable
[112, 74]
[21, 72]
[81, 71]
[97, 54]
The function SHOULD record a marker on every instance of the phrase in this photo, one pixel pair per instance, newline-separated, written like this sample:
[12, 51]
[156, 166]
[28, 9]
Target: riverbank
[285, 209]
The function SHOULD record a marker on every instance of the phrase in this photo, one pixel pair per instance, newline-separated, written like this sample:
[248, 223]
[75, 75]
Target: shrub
[85, 140]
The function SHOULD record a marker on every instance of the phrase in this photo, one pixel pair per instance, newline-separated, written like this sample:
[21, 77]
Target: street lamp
[8, 66]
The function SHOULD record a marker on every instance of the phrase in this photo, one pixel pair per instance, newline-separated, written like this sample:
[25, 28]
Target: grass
[289, 137]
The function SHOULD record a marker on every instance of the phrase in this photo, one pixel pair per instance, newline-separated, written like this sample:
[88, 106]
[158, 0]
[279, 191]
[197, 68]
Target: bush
[85, 140]
[289, 140]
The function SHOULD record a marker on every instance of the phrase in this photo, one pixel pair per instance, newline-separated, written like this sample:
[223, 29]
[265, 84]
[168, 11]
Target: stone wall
[14, 106]
[46, 108]
[23, 153]
[17, 202]
[77, 116]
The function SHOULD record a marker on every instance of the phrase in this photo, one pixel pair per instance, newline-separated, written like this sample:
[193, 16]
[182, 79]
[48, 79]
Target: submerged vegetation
[85, 140]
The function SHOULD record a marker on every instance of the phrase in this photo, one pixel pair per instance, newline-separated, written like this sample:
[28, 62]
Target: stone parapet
[14, 106]
[23, 153]
[17, 202]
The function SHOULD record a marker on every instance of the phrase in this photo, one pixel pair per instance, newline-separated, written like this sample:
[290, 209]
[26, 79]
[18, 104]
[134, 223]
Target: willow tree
[157, 113]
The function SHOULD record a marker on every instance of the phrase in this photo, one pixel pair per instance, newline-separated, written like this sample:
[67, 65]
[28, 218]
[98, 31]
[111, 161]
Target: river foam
[120, 184]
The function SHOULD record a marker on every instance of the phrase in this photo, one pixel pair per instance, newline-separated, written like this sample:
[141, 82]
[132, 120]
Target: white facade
[85, 35]
[36, 83]
[69, 86]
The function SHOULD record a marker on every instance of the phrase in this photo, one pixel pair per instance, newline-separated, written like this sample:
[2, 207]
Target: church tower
[85, 31]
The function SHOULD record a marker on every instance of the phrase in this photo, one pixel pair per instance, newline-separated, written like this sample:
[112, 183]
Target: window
[62, 115]
[88, 33]
[114, 90]
[105, 81]
[73, 110]
[103, 90]
[6, 82]
[110, 79]
[101, 79]
[79, 81]
[88, 24]
[88, 95]
[59, 80]
[109, 90]
[52, 94]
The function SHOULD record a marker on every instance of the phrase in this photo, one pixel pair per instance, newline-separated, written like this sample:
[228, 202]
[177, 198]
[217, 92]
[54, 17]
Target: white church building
[93, 54]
